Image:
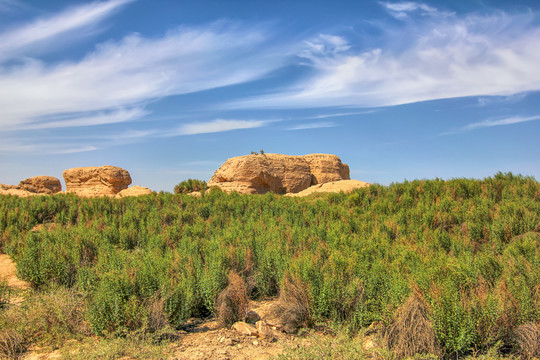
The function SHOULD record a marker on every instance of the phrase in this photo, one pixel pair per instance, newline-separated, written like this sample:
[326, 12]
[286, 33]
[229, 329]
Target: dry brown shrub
[293, 306]
[60, 312]
[527, 340]
[11, 344]
[232, 303]
[157, 319]
[411, 332]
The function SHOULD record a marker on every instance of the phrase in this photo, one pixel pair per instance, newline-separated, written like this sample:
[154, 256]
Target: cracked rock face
[96, 181]
[259, 174]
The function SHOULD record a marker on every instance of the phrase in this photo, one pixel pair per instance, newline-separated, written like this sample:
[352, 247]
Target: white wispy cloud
[24, 146]
[214, 126]
[124, 74]
[494, 122]
[315, 125]
[13, 42]
[325, 116]
[401, 10]
[501, 122]
[438, 58]
[98, 118]
[511, 99]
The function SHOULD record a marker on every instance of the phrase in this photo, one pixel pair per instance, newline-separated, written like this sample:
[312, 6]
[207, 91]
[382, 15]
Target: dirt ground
[8, 271]
[204, 339]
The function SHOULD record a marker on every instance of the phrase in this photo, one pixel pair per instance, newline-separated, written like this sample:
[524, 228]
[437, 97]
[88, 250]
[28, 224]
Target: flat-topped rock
[258, 174]
[134, 191]
[96, 181]
[345, 186]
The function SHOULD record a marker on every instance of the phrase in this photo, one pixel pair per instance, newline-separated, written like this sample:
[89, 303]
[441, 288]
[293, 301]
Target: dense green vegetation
[467, 248]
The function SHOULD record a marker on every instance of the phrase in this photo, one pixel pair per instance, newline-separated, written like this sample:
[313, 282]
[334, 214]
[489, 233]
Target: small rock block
[245, 328]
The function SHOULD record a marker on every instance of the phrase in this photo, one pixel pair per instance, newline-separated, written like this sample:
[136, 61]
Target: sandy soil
[8, 271]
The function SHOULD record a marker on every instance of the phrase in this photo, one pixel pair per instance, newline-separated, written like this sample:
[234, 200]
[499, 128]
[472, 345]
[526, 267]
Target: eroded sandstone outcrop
[96, 181]
[37, 185]
[258, 174]
[345, 186]
[326, 168]
[41, 185]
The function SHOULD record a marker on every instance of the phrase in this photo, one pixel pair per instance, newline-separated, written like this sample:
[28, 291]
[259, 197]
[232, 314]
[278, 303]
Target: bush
[232, 303]
[190, 185]
[527, 340]
[294, 306]
[411, 332]
[12, 344]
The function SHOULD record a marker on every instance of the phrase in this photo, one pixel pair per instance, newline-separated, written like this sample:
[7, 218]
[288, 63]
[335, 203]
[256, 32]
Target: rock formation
[14, 190]
[258, 174]
[334, 186]
[134, 191]
[37, 185]
[41, 185]
[326, 168]
[6, 187]
[96, 181]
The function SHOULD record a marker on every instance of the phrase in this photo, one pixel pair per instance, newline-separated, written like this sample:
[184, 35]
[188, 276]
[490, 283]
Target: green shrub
[190, 185]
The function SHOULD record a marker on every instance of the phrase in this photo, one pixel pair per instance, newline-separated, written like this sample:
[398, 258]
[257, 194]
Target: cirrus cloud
[215, 126]
[442, 56]
[122, 74]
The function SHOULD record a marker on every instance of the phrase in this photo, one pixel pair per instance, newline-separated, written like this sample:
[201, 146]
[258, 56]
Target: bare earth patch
[204, 339]
[8, 271]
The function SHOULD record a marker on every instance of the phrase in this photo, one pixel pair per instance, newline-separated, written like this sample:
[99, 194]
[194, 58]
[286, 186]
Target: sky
[169, 90]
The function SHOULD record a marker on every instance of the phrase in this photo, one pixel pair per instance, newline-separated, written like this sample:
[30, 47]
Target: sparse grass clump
[46, 318]
[12, 344]
[340, 347]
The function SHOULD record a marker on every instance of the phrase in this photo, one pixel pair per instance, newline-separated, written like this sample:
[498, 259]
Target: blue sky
[170, 89]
